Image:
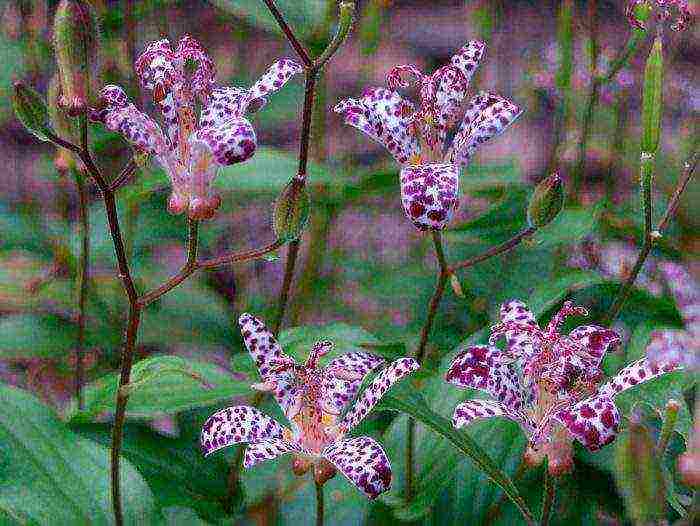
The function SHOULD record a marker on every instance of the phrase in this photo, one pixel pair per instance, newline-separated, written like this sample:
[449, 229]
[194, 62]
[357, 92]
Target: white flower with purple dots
[190, 152]
[417, 138]
[548, 382]
[314, 399]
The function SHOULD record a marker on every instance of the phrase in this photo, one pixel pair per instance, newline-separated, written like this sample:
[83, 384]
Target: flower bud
[291, 213]
[546, 201]
[32, 112]
[76, 43]
[456, 285]
[64, 127]
[652, 99]
[639, 475]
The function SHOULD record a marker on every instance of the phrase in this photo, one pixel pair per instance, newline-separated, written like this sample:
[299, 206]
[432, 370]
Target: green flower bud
[32, 112]
[652, 99]
[76, 42]
[546, 201]
[639, 475]
[292, 210]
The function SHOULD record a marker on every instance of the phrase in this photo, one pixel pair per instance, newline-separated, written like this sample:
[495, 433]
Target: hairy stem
[82, 285]
[547, 498]
[495, 251]
[650, 235]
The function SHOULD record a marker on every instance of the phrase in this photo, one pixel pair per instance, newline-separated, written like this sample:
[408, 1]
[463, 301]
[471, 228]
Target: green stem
[82, 284]
[319, 504]
[669, 424]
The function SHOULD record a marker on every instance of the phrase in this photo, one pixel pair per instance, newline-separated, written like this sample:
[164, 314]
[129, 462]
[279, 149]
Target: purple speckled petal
[486, 368]
[232, 142]
[429, 194]
[471, 410]
[157, 68]
[636, 373]
[363, 462]
[202, 80]
[274, 78]
[339, 387]
[394, 372]
[468, 57]
[593, 342]
[594, 422]
[272, 363]
[520, 329]
[236, 425]
[118, 114]
[487, 116]
[384, 116]
[268, 449]
[224, 103]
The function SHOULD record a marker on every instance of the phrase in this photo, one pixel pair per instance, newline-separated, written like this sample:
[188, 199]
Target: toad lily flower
[313, 399]
[417, 137]
[548, 383]
[190, 152]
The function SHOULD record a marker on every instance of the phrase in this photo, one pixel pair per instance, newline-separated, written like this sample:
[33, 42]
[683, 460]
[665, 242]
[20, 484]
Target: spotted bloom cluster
[417, 135]
[315, 400]
[190, 151]
[666, 10]
[548, 382]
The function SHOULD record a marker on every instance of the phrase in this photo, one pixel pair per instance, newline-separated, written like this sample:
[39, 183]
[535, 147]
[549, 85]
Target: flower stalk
[550, 490]
[82, 284]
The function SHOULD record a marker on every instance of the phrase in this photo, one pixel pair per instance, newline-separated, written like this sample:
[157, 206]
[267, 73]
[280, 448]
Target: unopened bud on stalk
[652, 99]
[291, 213]
[65, 128]
[76, 42]
[32, 112]
[546, 201]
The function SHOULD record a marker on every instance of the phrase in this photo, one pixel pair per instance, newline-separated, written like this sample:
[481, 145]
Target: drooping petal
[274, 78]
[363, 462]
[471, 410]
[225, 103]
[267, 449]
[235, 425]
[394, 372]
[399, 74]
[119, 115]
[273, 364]
[386, 117]
[157, 68]
[593, 342]
[487, 116]
[594, 422]
[338, 388]
[231, 142]
[520, 328]
[636, 373]
[429, 194]
[468, 57]
[487, 369]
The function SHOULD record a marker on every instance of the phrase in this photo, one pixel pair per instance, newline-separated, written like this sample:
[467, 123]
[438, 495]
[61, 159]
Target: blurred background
[362, 262]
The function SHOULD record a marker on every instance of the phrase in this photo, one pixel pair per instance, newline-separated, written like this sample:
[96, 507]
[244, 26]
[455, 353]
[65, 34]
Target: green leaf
[50, 475]
[165, 393]
[571, 226]
[406, 399]
[30, 108]
[550, 292]
[36, 336]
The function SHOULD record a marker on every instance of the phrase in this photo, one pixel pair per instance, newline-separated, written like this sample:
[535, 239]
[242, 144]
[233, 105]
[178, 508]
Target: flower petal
[235, 425]
[487, 116]
[594, 422]
[202, 79]
[363, 462]
[386, 117]
[487, 369]
[471, 410]
[224, 103]
[337, 391]
[520, 328]
[636, 373]
[118, 114]
[394, 372]
[429, 194]
[594, 342]
[468, 57]
[157, 68]
[267, 449]
[268, 356]
[274, 78]
[232, 142]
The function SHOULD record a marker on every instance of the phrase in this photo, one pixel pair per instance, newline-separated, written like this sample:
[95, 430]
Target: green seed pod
[639, 475]
[546, 201]
[76, 43]
[32, 112]
[652, 99]
[292, 210]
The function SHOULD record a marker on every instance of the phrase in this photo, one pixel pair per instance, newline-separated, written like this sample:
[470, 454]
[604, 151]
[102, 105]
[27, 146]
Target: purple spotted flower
[417, 136]
[676, 10]
[548, 382]
[190, 151]
[315, 401]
